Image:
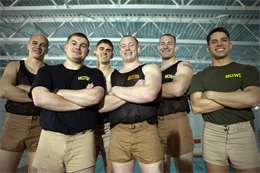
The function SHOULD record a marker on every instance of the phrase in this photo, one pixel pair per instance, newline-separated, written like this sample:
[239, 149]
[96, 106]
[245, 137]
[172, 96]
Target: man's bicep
[10, 74]
[153, 76]
[185, 70]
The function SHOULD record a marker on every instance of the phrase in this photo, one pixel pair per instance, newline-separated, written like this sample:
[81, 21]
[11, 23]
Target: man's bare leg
[184, 162]
[152, 168]
[167, 163]
[127, 167]
[253, 170]
[30, 157]
[211, 168]
[9, 161]
[107, 163]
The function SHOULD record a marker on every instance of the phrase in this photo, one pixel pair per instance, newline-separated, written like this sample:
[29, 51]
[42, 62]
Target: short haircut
[43, 36]
[219, 29]
[106, 41]
[169, 35]
[78, 35]
[132, 37]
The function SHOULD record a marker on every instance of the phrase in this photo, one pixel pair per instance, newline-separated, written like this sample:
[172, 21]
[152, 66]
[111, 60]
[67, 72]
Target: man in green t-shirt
[224, 94]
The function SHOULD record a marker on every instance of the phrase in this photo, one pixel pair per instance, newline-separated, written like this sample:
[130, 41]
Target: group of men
[144, 105]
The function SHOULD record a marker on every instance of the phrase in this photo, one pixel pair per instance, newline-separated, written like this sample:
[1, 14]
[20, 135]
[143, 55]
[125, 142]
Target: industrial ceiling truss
[188, 20]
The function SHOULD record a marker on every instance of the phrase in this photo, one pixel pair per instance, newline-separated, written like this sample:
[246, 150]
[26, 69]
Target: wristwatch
[55, 90]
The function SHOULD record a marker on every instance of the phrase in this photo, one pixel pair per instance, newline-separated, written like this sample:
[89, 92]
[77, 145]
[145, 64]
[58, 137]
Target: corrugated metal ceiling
[147, 20]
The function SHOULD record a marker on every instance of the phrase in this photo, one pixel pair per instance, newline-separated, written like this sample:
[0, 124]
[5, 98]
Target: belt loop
[132, 126]
[162, 118]
[144, 126]
[226, 127]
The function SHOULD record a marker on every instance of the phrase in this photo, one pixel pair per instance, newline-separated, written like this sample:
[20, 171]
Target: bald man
[21, 130]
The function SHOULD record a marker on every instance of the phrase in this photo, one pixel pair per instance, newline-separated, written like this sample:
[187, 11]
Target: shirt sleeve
[196, 85]
[43, 78]
[98, 79]
[251, 77]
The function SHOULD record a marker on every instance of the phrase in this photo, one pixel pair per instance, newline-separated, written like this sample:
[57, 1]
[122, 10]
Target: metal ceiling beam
[119, 59]
[142, 41]
[157, 19]
[125, 9]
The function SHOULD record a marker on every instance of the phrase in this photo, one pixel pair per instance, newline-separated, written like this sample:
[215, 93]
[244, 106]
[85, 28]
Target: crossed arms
[8, 87]
[142, 92]
[210, 101]
[67, 100]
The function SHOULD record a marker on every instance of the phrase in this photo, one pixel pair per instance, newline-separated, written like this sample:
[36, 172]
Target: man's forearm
[84, 97]
[111, 102]
[202, 106]
[15, 94]
[237, 99]
[50, 101]
[135, 94]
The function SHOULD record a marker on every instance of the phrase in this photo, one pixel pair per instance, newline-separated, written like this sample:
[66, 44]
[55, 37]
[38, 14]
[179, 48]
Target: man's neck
[72, 65]
[33, 64]
[168, 62]
[105, 68]
[221, 62]
[130, 66]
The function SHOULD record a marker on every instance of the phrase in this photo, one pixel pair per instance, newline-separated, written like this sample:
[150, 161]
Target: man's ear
[176, 48]
[208, 49]
[112, 56]
[95, 52]
[65, 47]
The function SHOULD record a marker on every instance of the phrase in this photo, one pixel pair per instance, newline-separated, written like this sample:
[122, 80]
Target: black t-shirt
[172, 105]
[58, 76]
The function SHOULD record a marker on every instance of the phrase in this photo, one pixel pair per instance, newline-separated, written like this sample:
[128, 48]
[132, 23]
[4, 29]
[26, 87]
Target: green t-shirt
[226, 78]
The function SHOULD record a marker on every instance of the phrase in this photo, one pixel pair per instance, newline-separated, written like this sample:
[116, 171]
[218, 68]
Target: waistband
[172, 116]
[133, 125]
[35, 117]
[84, 131]
[236, 126]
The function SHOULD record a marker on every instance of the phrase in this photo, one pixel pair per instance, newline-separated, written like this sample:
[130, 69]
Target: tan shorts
[57, 152]
[20, 133]
[176, 134]
[236, 146]
[102, 137]
[139, 141]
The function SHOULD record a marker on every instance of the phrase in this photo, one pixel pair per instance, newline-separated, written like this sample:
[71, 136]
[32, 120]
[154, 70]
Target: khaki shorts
[102, 137]
[20, 133]
[58, 152]
[234, 144]
[139, 141]
[175, 133]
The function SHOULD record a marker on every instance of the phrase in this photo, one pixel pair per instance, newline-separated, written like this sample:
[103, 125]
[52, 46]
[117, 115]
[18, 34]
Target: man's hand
[90, 86]
[25, 88]
[140, 82]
